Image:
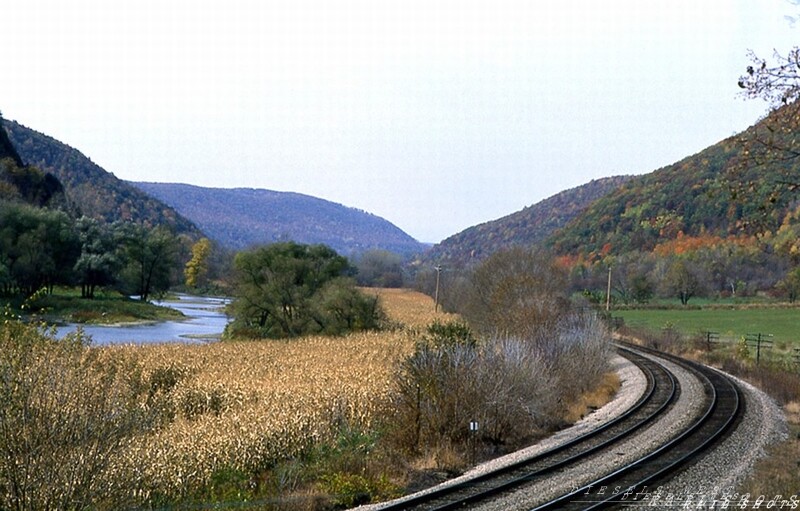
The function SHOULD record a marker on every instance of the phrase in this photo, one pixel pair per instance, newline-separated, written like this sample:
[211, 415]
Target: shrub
[65, 413]
[450, 333]
[514, 387]
[339, 308]
[348, 490]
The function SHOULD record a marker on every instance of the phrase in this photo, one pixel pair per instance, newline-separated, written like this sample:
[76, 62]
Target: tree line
[42, 248]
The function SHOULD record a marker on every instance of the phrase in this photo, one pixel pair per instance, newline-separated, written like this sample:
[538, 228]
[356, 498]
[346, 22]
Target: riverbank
[65, 306]
[200, 319]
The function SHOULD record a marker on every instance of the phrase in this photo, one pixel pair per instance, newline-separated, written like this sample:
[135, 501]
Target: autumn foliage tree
[196, 270]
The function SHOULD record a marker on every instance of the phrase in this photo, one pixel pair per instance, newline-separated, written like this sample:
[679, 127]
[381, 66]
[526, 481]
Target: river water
[205, 322]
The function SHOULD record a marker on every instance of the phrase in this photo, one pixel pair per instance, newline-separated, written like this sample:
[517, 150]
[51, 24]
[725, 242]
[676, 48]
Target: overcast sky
[434, 114]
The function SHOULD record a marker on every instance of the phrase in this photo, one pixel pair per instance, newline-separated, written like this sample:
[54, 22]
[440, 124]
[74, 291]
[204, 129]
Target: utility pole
[608, 291]
[438, 269]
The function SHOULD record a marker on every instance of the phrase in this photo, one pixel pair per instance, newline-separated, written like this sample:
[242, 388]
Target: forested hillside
[717, 192]
[45, 242]
[26, 184]
[95, 192]
[242, 217]
[530, 226]
[7, 148]
[725, 221]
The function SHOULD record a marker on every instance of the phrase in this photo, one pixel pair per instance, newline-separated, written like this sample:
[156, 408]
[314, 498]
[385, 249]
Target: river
[205, 322]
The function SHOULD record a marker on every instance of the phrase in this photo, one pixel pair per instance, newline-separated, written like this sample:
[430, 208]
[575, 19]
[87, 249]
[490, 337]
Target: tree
[196, 270]
[98, 262]
[772, 141]
[38, 248]
[151, 255]
[791, 284]
[289, 289]
[778, 83]
[681, 281]
[274, 284]
[629, 277]
[380, 268]
[516, 292]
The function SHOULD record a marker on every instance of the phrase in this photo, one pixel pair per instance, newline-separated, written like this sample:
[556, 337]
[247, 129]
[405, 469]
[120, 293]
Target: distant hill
[530, 226]
[242, 217]
[91, 189]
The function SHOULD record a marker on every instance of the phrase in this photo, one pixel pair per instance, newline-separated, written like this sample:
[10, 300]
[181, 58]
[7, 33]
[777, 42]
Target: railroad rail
[719, 412]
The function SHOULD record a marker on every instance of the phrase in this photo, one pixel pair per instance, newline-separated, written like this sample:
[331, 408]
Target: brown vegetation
[303, 424]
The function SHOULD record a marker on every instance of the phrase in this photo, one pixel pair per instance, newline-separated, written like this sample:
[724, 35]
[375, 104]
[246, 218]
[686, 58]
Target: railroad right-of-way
[683, 411]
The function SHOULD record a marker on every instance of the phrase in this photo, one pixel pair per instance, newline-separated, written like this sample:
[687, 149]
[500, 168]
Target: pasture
[731, 322]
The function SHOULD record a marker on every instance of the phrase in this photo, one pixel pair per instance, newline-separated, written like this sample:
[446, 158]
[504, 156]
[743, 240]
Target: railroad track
[719, 412]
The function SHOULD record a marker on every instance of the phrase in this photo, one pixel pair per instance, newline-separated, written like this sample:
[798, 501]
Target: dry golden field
[245, 405]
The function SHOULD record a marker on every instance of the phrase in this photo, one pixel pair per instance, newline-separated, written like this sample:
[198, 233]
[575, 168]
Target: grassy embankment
[65, 305]
[777, 373]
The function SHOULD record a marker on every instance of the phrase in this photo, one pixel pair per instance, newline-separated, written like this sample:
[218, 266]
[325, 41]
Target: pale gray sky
[434, 114]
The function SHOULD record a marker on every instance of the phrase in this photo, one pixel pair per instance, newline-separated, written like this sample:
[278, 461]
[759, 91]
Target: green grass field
[731, 323]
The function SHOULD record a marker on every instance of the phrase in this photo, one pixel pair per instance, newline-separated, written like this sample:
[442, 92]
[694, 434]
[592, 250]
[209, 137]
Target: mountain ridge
[96, 192]
[242, 217]
[529, 226]
[717, 191]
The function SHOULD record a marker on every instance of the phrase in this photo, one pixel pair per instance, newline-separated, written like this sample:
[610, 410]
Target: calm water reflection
[205, 321]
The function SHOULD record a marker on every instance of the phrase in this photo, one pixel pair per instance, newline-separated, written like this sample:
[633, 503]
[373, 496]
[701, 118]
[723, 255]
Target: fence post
[758, 349]
[760, 341]
[711, 338]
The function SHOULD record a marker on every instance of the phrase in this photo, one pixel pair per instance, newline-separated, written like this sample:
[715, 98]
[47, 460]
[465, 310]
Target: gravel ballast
[712, 477]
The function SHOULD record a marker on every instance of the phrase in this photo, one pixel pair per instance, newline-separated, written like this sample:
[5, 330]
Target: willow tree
[290, 289]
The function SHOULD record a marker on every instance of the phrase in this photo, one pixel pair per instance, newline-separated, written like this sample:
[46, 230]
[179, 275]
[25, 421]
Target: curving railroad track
[719, 412]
